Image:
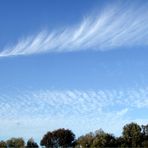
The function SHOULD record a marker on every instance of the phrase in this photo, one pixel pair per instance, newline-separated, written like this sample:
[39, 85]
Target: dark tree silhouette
[31, 143]
[58, 138]
[144, 136]
[3, 144]
[133, 135]
[145, 129]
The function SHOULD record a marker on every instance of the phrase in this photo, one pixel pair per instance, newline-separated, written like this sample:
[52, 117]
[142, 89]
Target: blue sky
[75, 64]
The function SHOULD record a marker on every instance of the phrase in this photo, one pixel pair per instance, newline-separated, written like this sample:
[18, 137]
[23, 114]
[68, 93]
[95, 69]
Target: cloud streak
[113, 27]
[74, 109]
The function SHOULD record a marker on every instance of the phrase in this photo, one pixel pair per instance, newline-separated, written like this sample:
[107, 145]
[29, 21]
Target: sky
[77, 64]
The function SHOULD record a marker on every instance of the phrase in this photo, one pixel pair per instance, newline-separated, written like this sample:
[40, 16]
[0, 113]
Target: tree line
[133, 135]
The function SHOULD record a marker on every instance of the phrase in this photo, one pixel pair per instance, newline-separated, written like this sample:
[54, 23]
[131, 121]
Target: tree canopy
[133, 135]
[31, 143]
[58, 138]
[16, 143]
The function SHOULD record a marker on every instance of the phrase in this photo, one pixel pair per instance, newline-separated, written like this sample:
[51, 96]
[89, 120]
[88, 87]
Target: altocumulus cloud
[113, 27]
[74, 109]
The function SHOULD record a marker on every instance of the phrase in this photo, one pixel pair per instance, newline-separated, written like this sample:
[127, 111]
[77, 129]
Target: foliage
[3, 144]
[104, 140]
[31, 143]
[132, 134]
[145, 130]
[97, 139]
[58, 138]
[85, 141]
[144, 136]
[16, 143]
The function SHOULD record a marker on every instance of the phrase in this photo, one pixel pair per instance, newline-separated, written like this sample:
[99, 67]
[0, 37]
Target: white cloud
[115, 26]
[72, 102]
[81, 111]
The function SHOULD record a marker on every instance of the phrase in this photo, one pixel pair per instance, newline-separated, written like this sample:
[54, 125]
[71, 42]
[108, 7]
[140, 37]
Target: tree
[85, 141]
[3, 144]
[97, 139]
[132, 134]
[144, 135]
[31, 143]
[16, 143]
[120, 142]
[47, 140]
[58, 138]
[103, 139]
[145, 130]
[145, 144]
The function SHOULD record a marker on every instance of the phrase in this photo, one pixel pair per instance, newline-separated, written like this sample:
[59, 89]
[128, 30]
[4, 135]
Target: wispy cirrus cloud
[113, 27]
[74, 109]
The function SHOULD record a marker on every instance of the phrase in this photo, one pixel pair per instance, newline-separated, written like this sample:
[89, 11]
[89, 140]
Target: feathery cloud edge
[113, 27]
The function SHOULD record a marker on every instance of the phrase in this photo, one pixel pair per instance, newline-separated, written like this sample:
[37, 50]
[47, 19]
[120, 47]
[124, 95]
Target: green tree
[97, 139]
[85, 141]
[132, 135]
[16, 143]
[31, 143]
[103, 139]
[3, 144]
[58, 138]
